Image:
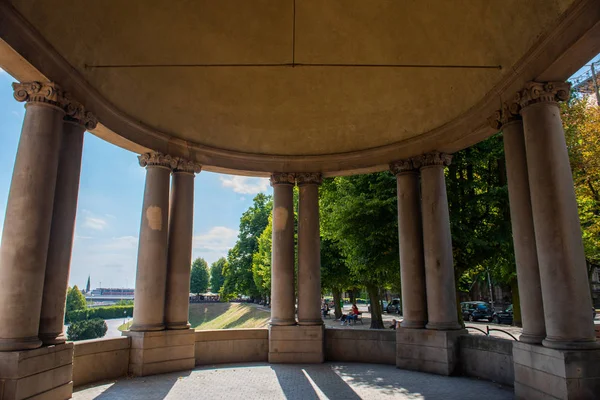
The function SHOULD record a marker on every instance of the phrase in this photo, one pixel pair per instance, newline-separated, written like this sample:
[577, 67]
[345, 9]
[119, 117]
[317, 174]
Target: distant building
[112, 292]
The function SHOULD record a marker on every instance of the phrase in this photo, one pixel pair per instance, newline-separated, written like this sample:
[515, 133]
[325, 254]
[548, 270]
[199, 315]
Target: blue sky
[110, 202]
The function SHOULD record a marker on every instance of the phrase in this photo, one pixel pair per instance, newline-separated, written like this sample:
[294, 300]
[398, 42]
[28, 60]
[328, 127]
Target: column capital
[405, 165]
[77, 113]
[282, 178]
[157, 159]
[542, 92]
[188, 166]
[510, 112]
[309, 178]
[39, 92]
[432, 159]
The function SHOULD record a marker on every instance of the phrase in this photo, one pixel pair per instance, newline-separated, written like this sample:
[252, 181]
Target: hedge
[107, 312]
[90, 329]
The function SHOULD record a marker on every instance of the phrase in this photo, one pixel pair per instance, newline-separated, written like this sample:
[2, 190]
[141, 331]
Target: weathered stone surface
[488, 358]
[100, 359]
[296, 344]
[360, 346]
[29, 373]
[556, 374]
[427, 350]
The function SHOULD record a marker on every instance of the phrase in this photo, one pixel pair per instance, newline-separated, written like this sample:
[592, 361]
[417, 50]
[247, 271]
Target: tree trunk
[337, 297]
[376, 318]
[514, 288]
[352, 296]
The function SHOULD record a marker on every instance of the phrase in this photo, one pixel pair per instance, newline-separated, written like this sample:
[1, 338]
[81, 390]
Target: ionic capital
[536, 92]
[510, 112]
[432, 159]
[157, 159]
[283, 178]
[400, 166]
[76, 112]
[39, 92]
[188, 166]
[308, 178]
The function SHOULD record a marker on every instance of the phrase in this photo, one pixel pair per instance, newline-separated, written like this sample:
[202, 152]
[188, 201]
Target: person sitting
[325, 309]
[354, 313]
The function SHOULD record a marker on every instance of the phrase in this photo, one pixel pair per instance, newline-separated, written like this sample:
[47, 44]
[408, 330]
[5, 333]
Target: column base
[412, 324]
[53, 338]
[45, 373]
[310, 322]
[296, 344]
[282, 322]
[444, 326]
[530, 338]
[146, 328]
[178, 325]
[428, 350]
[29, 343]
[543, 373]
[160, 352]
[558, 344]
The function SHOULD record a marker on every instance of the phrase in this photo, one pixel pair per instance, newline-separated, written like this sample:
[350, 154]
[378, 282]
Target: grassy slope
[227, 316]
[206, 316]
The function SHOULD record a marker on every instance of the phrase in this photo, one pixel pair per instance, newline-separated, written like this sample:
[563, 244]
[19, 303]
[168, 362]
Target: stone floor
[297, 382]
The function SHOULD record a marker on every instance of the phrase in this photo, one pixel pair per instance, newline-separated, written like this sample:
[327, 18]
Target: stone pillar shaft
[58, 264]
[564, 281]
[28, 216]
[309, 251]
[150, 281]
[410, 235]
[282, 256]
[181, 218]
[528, 273]
[437, 244]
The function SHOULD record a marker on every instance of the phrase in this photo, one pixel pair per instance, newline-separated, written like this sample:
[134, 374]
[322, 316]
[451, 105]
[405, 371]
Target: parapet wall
[487, 358]
[232, 346]
[368, 346]
[99, 359]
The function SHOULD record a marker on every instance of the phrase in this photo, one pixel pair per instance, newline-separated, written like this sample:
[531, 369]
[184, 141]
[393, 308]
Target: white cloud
[94, 223]
[3, 71]
[217, 239]
[245, 185]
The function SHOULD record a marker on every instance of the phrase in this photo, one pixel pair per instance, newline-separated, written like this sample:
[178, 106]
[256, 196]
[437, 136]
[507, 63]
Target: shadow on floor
[130, 388]
[303, 382]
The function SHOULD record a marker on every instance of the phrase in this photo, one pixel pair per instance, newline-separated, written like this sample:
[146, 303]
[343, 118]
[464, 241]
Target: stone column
[151, 277]
[564, 281]
[309, 250]
[58, 263]
[181, 217]
[282, 256]
[528, 273]
[410, 235]
[437, 243]
[28, 215]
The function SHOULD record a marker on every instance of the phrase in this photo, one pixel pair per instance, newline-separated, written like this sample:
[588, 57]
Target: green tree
[335, 274]
[238, 273]
[216, 275]
[75, 299]
[199, 278]
[360, 214]
[261, 261]
[87, 329]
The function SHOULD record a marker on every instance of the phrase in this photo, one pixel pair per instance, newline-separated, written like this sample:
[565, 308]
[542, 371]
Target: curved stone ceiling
[371, 74]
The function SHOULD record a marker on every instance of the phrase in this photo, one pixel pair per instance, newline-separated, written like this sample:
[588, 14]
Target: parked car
[476, 310]
[393, 307]
[503, 317]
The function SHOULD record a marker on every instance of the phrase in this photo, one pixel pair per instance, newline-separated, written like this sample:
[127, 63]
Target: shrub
[108, 312]
[90, 329]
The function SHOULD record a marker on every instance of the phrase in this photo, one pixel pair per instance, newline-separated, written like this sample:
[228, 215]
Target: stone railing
[99, 359]
[368, 346]
[487, 358]
[232, 346]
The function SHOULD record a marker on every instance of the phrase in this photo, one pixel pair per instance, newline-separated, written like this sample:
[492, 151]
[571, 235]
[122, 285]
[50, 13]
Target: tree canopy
[216, 275]
[199, 277]
[261, 261]
[75, 299]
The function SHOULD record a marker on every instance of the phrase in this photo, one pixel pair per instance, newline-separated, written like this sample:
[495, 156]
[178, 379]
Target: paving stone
[296, 382]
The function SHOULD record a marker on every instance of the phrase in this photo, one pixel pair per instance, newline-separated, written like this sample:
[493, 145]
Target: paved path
[297, 382]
